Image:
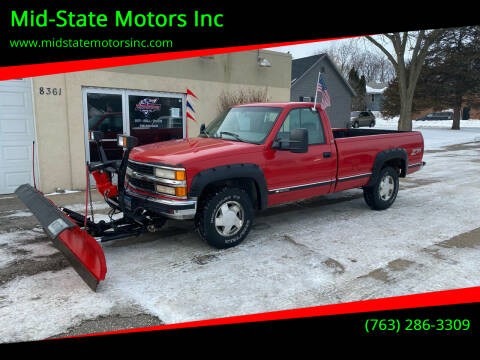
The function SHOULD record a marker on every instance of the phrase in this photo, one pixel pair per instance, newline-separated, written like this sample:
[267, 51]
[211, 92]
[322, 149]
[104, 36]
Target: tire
[372, 124]
[383, 193]
[356, 125]
[225, 218]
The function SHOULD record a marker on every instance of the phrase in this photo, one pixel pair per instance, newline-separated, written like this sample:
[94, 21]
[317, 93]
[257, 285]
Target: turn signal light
[126, 142]
[180, 175]
[181, 191]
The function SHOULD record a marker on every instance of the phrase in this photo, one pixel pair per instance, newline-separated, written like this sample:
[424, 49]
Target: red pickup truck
[251, 157]
[263, 154]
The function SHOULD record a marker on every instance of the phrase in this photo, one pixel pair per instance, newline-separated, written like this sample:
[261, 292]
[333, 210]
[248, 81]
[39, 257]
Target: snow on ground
[18, 214]
[97, 205]
[316, 252]
[437, 133]
[63, 192]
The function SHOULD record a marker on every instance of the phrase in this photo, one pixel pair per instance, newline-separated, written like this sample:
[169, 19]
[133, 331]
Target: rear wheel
[226, 218]
[383, 193]
[356, 125]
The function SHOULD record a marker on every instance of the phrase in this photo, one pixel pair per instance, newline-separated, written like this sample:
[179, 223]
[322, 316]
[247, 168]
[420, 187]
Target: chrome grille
[144, 169]
[142, 184]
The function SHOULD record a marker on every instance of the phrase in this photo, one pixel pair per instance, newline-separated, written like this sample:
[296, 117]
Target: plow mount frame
[78, 236]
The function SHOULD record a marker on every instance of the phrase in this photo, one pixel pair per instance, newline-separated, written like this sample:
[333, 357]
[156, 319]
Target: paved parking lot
[322, 251]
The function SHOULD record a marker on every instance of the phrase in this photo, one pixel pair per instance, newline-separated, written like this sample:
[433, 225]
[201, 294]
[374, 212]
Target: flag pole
[316, 93]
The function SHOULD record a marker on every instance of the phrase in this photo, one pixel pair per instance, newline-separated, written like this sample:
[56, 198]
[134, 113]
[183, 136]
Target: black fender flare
[231, 172]
[385, 156]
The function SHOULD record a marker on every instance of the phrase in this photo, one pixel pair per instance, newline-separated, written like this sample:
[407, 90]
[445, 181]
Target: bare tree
[377, 68]
[241, 96]
[407, 70]
[347, 55]
[343, 55]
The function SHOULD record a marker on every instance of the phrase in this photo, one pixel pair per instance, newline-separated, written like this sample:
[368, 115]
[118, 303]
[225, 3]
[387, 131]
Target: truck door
[293, 176]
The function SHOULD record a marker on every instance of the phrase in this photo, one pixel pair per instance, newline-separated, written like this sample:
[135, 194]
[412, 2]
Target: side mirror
[299, 141]
[126, 142]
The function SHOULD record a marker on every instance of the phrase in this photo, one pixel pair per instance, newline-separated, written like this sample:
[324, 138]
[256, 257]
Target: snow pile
[63, 193]
[46, 304]
[383, 123]
[371, 90]
[437, 134]
[18, 213]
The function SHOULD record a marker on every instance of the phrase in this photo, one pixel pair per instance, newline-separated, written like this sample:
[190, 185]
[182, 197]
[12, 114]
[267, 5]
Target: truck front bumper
[173, 209]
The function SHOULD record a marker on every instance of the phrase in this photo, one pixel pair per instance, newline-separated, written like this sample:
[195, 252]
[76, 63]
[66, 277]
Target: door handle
[327, 154]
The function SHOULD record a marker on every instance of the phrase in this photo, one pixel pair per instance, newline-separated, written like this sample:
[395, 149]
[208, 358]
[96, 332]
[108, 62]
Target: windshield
[249, 124]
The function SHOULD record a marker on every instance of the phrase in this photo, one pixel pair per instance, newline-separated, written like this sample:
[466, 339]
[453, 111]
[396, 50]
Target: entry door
[292, 176]
[149, 116]
[16, 134]
[103, 110]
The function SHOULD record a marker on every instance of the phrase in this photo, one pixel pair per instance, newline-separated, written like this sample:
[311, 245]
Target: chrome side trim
[300, 187]
[415, 165]
[354, 177]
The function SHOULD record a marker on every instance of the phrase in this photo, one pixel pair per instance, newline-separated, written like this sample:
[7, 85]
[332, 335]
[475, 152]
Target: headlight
[165, 189]
[170, 174]
[175, 191]
[164, 173]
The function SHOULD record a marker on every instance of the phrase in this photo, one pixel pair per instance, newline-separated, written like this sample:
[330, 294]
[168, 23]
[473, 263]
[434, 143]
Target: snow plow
[76, 235]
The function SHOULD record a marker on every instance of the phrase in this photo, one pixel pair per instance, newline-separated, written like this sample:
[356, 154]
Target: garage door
[16, 134]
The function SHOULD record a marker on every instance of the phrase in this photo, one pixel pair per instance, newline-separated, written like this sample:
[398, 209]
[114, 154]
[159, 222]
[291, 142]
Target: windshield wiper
[231, 134]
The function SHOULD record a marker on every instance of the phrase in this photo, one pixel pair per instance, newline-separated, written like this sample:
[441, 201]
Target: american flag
[322, 89]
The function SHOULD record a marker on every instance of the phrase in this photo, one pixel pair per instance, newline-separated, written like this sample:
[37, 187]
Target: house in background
[304, 83]
[375, 96]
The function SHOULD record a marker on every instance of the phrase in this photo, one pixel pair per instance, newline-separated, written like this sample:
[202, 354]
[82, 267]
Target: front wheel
[383, 193]
[226, 218]
[372, 124]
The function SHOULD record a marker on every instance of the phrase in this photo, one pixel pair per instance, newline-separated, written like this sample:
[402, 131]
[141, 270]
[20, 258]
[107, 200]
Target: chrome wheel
[229, 218]
[386, 188]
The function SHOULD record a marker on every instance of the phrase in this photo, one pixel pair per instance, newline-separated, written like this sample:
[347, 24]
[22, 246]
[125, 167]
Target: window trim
[124, 93]
[319, 119]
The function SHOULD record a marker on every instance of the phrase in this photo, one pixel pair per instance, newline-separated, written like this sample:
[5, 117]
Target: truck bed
[357, 149]
[343, 133]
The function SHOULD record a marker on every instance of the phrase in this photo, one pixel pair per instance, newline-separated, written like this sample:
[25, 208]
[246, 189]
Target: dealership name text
[64, 18]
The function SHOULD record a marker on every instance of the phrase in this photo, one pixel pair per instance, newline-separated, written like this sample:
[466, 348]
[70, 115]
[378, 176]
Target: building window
[104, 112]
[149, 116]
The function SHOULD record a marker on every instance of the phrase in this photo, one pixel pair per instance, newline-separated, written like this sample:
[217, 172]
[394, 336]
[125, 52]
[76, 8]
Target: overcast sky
[304, 50]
